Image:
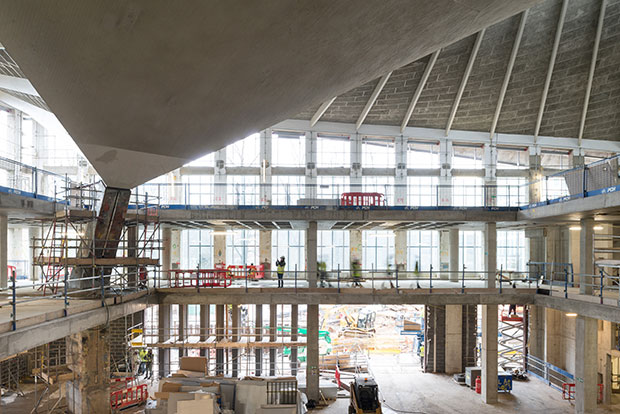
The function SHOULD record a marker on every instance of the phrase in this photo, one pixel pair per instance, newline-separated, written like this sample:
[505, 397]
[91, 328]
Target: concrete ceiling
[144, 86]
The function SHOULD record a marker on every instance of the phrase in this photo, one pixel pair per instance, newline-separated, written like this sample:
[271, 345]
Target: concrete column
[166, 252]
[220, 314]
[454, 339]
[235, 338]
[312, 350]
[88, 357]
[175, 249]
[164, 335]
[586, 359]
[265, 168]
[182, 331]
[176, 196]
[311, 253]
[553, 337]
[132, 251]
[4, 232]
[535, 176]
[219, 179]
[34, 234]
[264, 251]
[219, 247]
[536, 331]
[294, 337]
[355, 246]
[453, 251]
[273, 322]
[356, 163]
[400, 246]
[553, 244]
[586, 259]
[258, 330]
[445, 177]
[311, 163]
[490, 253]
[400, 177]
[205, 326]
[490, 175]
[489, 353]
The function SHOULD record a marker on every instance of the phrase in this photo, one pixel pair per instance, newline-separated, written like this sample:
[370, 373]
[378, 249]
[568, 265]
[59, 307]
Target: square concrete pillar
[586, 360]
[182, 330]
[205, 326]
[312, 350]
[219, 247]
[220, 314]
[453, 239]
[454, 339]
[586, 258]
[294, 331]
[489, 353]
[311, 253]
[235, 338]
[355, 246]
[88, 357]
[264, 251]
[490, 253]
[258, 330]
[400, 247]
[273, 322]
[4, 249]
[164, 319]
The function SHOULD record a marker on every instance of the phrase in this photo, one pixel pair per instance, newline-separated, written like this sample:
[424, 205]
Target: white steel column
[400, 175]
[489, 353]
[586, 364]
[4, 230]
[490, 175]
[356, 163]
[266, 187]
[219, 179]
[311, 160]
[535, 176]
[445, 178]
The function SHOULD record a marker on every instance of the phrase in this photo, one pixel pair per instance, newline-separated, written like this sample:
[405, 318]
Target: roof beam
[319, 112]
[372, 100]
[16, 84]
[511, 63]
[459, 94]
[419, 89]
[554, 53]
[597, 41]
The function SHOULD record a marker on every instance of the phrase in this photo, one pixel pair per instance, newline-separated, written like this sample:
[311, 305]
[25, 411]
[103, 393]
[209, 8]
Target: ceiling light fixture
[574, 228]
[597, 228]
[572, 315]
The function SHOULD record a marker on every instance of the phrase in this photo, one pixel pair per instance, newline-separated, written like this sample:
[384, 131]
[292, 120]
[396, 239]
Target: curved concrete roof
[562, 109]
[145, 86]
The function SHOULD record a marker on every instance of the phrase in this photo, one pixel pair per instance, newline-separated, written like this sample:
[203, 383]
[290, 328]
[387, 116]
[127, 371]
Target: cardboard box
[196, 364]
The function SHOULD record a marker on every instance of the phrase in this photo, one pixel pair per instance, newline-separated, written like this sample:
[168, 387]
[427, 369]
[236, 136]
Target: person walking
[422, 356]
[356, 267]
[280, 265]
[142, 357]
[149, 364]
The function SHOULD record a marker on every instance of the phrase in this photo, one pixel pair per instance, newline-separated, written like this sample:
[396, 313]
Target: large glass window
[554, 187]
[288, 150]
[290, 244]
[467, 156]
[422, 191]
[242, 247]
[423, 250]
[471, 250]
[198, 189]
[243, 190]
[555, 159]
[332, 186]
[378, 152]
[378, 249]
[512, 158]
[422, 154]
[512, 191]
[244, 153]
[333, 151]
[197, 249]
[287, 189]
[467, 191]
[379, 184]
[333, 248]
[512, 250]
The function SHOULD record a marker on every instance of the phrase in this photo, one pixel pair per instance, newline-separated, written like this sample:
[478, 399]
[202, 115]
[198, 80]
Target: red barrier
[129, 396]
[197, 278]
[362, 199]
[568, 391]
[253, 272]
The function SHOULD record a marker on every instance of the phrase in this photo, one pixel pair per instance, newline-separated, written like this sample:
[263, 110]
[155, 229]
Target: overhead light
[597, 228]
[572, 315]
[574, 228]
[222, 233]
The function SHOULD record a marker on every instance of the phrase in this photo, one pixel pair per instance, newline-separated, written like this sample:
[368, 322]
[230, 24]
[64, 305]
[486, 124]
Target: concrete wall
[560, 339]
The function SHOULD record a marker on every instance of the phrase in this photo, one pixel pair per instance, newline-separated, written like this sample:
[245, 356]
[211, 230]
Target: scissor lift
[511, 340]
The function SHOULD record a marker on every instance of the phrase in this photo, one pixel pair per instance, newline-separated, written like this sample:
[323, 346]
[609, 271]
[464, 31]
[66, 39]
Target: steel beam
[319, 113]
[416, 95]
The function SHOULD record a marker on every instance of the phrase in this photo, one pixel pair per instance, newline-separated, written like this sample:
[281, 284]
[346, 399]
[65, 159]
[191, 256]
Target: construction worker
[280, 265]
[322, 269]
[356, 267]
[422, 355]
[251, 271]
[149, 364]
[142, 356]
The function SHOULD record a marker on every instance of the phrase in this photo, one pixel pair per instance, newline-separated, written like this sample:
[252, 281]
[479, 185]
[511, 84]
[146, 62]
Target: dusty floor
[406, 389]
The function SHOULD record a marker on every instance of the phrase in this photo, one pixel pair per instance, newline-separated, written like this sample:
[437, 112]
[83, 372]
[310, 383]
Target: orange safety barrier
[362, 199]
[568, 391]
[253, 272]
[197, 278]
[129, 396]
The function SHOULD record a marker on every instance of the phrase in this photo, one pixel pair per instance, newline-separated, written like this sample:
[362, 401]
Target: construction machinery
[364, 396]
